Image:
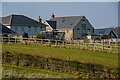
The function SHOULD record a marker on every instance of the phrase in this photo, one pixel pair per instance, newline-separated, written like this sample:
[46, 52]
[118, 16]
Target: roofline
[69, 16]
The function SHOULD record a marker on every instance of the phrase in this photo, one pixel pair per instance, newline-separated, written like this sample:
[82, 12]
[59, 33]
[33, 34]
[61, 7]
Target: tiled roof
[104, 31]
[6, 30]
[52, 23]
[20, 20]
[68, 22]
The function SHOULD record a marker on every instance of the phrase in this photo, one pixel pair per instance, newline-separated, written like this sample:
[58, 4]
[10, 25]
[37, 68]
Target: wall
[31, 30]
[79, 25]
[68, 34]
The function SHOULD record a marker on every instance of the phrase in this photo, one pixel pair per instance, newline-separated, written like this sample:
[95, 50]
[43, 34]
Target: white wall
[28, 29]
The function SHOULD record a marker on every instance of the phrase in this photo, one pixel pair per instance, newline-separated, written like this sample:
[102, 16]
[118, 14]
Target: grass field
[85, 56]
[12, 71]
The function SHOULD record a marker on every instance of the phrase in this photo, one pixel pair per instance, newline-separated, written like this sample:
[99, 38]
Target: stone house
[21, 24]
[75, 27]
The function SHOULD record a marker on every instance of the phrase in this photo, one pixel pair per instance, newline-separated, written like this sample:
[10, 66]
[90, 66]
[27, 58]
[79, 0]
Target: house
[4, 29]
[107, 31]
[75, 27]
[21, 24]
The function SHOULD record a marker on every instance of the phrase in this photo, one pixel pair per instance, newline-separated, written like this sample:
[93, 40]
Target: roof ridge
[68, 16]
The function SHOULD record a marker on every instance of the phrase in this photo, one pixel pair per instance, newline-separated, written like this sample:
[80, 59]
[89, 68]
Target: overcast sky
[99, 14]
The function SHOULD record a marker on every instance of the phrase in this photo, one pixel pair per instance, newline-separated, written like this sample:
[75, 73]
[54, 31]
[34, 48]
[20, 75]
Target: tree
[4, 35]
[41, 36]
[25, 35]
[104, 36]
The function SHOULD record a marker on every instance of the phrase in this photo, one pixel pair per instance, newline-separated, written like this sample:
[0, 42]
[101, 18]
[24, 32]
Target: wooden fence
[102, 45]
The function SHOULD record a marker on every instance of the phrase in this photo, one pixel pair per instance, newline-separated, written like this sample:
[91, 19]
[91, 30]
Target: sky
[99, 14]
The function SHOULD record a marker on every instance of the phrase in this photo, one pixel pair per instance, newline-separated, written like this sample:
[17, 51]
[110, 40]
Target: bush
[25, 35]
[41, 36]
[4, 35]
[104, 36]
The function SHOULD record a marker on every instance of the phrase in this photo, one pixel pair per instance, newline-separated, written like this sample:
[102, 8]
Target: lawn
[84, 56]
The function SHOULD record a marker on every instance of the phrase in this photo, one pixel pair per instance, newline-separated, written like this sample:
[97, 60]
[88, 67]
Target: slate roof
[52, 23]
[20, 20]
[104, 31]
[68, 22]
[6, 30]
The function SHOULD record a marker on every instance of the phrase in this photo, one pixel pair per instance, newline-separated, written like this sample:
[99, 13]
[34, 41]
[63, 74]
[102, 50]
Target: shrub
[41, 36]
[4, 35]
[104, 36]
[25, 35]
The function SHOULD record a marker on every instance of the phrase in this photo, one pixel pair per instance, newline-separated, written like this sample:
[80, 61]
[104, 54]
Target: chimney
[52, 16]
[39, 20]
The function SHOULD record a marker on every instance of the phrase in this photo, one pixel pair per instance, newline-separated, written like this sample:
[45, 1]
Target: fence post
[56, 43]
[35, 40]
[41, 41]
[9, 39]
[78, 45]
[116, 43]
[102, 45]
[111, 48]
[15, 40]
[63, 43]
[86, 45]
[94, 45]
[70, 43]
[49, 43]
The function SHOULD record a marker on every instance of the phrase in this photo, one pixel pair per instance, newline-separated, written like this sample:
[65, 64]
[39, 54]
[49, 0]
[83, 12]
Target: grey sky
[100, 14]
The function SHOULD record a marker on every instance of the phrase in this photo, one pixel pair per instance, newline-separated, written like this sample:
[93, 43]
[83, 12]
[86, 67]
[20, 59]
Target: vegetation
[41, 36]
[25, 35]
[104, 36]
[13, 71]
[4, 35]
[84, 56]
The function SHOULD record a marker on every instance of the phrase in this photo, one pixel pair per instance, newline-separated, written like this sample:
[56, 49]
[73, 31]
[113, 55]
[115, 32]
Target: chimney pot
[52, 16]
[39, 19]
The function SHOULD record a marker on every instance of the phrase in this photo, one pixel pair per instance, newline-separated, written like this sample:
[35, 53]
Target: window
[88, 31]
[22, 28]
[84, 31]
[83, 24]
[78, 30]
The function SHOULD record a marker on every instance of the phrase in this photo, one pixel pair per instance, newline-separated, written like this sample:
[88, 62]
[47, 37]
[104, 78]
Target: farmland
[84, 56]
[25, 61]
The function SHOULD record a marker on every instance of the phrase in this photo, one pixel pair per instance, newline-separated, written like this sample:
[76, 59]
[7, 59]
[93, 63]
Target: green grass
[10, 71]
[85, 56]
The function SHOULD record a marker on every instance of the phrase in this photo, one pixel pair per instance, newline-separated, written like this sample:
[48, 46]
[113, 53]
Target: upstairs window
[78, 30]
[83, 23]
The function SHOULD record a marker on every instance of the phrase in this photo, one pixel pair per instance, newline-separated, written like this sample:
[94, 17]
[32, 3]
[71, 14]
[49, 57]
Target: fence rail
[103, 45]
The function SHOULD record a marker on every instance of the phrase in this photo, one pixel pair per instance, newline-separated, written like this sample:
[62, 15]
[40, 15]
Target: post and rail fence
[108, 45]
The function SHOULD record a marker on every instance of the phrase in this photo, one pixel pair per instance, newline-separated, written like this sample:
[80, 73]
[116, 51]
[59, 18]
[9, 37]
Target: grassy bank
[85, 56]
[12, 71]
